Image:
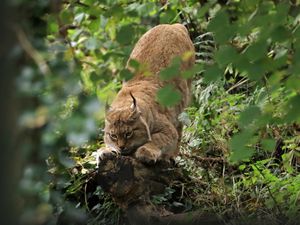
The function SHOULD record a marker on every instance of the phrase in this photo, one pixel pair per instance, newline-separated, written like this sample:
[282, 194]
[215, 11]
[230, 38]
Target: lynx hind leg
[162, 147]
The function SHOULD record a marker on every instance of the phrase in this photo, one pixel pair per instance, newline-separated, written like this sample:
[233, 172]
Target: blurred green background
[63, 60]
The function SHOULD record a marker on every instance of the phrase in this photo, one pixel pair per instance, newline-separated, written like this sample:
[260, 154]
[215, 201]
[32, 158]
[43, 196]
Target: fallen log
[131, 184]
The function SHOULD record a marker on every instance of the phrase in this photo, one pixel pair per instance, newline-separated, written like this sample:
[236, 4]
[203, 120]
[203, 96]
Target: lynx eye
[113, 137]
[128, 134]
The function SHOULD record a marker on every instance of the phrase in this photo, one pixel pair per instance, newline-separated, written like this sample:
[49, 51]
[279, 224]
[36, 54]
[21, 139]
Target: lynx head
[125, 128]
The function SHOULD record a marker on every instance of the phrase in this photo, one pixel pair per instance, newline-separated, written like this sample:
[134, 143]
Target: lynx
[136, 124]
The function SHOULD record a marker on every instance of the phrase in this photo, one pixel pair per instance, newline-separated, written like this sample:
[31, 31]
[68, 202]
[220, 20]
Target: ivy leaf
[168, 96]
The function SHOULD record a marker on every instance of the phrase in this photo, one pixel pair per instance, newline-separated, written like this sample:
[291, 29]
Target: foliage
[241, 138]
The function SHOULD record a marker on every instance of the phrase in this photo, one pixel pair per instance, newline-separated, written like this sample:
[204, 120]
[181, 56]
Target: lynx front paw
[105, 153]
[147, 154]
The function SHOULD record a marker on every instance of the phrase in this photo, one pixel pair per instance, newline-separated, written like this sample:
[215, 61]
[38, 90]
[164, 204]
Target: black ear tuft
[133, 106]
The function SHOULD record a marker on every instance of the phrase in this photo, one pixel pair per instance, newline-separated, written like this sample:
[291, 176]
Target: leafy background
[241, 140]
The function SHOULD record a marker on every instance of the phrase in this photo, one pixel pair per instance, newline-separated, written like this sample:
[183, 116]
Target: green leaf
[92, 43]
[204, 8]
[167, 16]
[52, 25]
[134, 64]
[280, 34]
[268, 144]
[169, 73]
[197, 68]
[293, 109]
[125, 75]
[238, 146]
[282, 12]
[219, 22]
[226, 55]
[125, 34]
[212, 74]
[65, 160]
[249, 115]
[172, 71]
[256, 51]
[168, 95]
[293, 82]
[255, 71]
[221, 27]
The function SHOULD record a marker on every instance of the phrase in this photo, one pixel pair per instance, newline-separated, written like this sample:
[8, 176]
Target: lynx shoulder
[136, 124]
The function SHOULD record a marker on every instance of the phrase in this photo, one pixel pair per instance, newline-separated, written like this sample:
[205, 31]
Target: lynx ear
[135, 112]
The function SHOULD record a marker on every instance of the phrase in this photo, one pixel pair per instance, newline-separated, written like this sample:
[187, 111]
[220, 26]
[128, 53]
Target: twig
[31, 51]
[208, 159]
[85, 197]
[85, 190]
[238, 84]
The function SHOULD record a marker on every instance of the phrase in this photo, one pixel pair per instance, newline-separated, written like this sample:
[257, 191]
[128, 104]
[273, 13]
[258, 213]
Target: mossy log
[132, 184]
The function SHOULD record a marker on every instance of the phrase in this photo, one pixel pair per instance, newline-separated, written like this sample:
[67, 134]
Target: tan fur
[147, 129]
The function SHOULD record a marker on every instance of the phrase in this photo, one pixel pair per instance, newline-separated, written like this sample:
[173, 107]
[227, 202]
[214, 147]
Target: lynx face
[125, 130]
